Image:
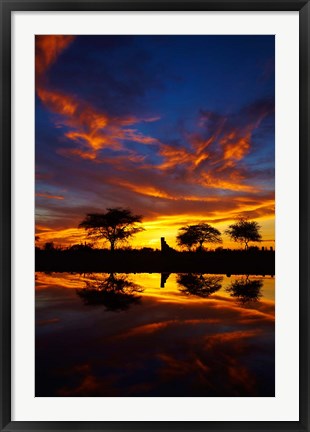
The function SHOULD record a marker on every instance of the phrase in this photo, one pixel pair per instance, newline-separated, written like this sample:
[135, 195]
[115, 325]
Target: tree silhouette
[116, 293]
[186, 237]
[245, 290]
[49, 246]
[192, 235]
[244, 231]
[114, 226]
[199, 285]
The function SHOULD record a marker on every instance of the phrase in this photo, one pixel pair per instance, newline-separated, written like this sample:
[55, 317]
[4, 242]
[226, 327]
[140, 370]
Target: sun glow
[162, 226]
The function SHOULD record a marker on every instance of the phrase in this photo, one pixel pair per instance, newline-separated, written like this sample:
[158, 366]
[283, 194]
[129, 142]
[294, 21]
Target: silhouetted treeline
[86, 259]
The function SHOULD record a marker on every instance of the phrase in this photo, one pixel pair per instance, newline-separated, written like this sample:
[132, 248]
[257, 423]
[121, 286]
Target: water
[154, 334]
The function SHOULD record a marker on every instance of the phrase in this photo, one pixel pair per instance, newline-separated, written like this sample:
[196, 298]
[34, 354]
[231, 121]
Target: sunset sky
[179, 129]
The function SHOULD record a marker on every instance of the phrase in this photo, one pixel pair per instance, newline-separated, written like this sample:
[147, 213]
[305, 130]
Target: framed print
[154, 215]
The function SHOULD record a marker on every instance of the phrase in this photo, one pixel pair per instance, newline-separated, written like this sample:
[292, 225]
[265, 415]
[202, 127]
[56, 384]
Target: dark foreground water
[103, 334]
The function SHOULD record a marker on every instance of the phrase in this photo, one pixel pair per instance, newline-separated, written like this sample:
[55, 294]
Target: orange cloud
[94, 140]
[48, 48]
[211, 174]
[211, 158]
[84, 154]
[174, 156]
[153, 191]
[145, 189]
[63, 237]
[49, 196]
[57, 102]
[210, 180]
[136, 136]
[235, 147]
[91, 129]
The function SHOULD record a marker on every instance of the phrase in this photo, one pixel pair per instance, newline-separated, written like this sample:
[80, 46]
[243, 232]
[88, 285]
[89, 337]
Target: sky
[180, 129]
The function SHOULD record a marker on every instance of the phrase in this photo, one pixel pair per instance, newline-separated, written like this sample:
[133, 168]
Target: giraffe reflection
[245, 290]
[198, 284]
[115, 292]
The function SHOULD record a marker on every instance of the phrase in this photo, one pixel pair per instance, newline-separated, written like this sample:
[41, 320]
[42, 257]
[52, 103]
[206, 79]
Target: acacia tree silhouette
[114, 226]
[192, 235]
[244, 231]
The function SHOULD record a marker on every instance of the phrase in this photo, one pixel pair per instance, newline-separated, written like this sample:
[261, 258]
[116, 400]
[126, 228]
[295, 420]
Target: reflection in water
[246, 290]
[171, 345]
[199, 285]
[163, 279]
[116, 293]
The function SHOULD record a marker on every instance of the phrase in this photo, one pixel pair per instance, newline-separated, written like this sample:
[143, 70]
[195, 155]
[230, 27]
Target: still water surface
[100, 334]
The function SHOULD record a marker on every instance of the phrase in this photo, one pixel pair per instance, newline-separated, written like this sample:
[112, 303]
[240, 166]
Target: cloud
[118, 181]
[89, 129]
[214, 155]
[57, 102]
[49, 196]
[48, 49]
[211, 157]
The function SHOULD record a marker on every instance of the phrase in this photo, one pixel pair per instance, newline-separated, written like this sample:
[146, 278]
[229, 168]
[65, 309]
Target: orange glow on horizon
[162, 226]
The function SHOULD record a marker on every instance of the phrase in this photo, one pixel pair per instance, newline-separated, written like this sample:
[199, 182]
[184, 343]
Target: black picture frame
[7, 7]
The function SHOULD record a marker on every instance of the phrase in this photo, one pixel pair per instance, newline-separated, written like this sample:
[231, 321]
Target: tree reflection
[199, 285]
[115, 292]
[245, 290]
